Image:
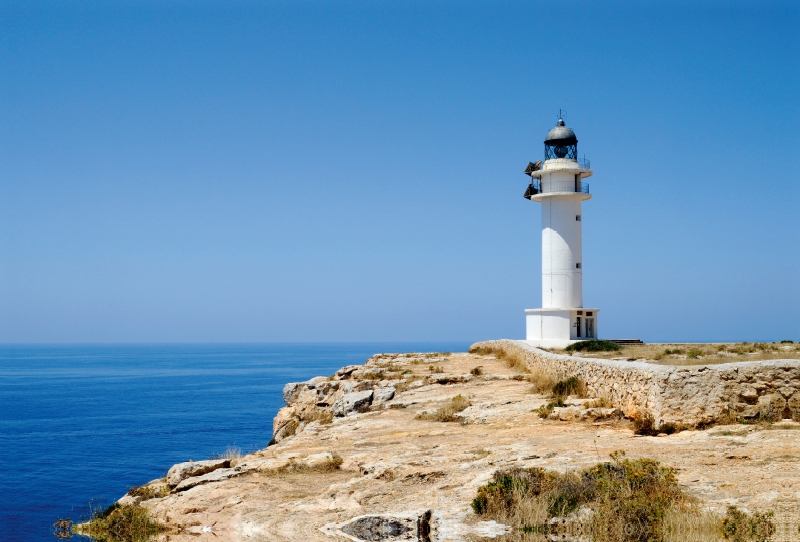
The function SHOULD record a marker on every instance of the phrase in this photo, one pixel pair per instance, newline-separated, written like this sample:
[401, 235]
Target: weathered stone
[409, 526]
[182, 471]
[348, 370]
[214, 476]
[357, 401]
[292, 390]
[381, 395]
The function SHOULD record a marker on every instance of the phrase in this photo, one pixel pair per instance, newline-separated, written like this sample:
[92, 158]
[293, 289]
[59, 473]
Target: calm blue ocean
[79, 423]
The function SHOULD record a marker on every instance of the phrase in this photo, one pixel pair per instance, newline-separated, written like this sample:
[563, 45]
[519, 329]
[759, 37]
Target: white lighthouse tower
[558, 185]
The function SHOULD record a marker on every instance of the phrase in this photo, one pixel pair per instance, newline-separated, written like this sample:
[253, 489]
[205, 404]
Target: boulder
[318, 460]
[347, 371]
[357, 401]
[182, 471]
[381, 395]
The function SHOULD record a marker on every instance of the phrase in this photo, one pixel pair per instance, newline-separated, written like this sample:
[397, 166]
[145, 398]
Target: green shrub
[128, 523]
[594, 345]
[738, 526]
[630, 498]
[694, 353]
[545, 410]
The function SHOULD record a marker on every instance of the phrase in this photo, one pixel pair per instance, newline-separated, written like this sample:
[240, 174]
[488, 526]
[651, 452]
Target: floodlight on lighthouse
[533, 166]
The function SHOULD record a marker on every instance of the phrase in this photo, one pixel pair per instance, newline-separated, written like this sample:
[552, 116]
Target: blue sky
[352, 171]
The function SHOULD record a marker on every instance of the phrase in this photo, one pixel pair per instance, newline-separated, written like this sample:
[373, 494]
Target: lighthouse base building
[559, 328]
[559, 186]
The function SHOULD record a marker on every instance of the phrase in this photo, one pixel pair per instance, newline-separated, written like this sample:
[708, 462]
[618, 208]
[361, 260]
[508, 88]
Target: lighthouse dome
[561, 143]
[561, 135]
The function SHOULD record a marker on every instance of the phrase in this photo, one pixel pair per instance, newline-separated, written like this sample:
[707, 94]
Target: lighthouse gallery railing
[560, 186]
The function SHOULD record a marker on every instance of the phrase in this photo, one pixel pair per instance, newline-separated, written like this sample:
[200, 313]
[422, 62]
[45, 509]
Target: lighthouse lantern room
[559, 186]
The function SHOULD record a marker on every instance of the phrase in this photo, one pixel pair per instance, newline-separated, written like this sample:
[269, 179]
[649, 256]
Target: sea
[81, 424]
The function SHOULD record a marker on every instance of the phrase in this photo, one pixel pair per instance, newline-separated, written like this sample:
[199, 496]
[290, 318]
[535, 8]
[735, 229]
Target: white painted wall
[562, 249]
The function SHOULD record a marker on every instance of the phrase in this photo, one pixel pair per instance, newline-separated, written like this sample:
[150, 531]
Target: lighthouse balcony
[578, 166]
[559, 187]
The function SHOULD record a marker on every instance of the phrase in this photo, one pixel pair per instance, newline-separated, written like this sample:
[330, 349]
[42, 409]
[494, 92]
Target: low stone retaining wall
[682, 396]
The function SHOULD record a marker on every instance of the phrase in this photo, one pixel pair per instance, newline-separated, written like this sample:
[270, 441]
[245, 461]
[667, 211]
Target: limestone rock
[182, 471]
[401, 527]
[347, 371]
[214, 476]
[357, 401]
[381, 395]
[292, 390]
[318, 460]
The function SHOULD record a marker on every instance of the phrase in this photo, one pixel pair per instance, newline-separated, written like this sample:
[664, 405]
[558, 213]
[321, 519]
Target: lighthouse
[559, 186]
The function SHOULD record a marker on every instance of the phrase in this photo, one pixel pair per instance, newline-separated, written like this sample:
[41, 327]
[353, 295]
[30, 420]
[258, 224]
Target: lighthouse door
[590, 328]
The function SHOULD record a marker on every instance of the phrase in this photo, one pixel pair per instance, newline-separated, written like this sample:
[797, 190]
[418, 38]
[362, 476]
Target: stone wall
[682, 396]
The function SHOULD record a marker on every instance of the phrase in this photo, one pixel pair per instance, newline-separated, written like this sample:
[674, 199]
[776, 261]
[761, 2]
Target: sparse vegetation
[569, 386]
[147, 492]
[334, 463]
[600, 402]
[232, 453]
[644, 424]
[406, 383]
[435, 369]
[547, 409]
[542, 379]
[290, 429]
[448, 411]
[594, 345]
[513, 358]
[626, 500]
[738, 526]
[129, 523]
[476, 371]
[694, 353]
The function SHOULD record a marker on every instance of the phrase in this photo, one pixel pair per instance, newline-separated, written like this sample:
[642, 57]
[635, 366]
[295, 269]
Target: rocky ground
[355, 457]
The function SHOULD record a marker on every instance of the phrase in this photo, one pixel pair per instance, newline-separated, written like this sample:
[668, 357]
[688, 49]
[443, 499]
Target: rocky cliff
[395, 449]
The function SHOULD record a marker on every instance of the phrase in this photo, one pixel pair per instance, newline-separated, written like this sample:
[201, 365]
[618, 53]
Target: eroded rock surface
[182, 471]
[378, 469]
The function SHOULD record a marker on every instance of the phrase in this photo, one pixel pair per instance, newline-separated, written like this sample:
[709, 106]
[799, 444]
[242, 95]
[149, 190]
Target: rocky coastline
[367, 453]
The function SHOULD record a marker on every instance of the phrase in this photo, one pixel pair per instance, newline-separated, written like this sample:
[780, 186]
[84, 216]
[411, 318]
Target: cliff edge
[396, 449]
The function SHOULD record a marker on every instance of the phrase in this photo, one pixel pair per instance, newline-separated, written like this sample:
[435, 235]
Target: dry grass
[618, 501]
[405, 384]
[232, 453]
[448, 411]
[513, 358]
[569, 386]
[699, 354]
[324, 417]
[600, 402]
[542, 379]
[294, 466]
[682, 523]
[152, 491]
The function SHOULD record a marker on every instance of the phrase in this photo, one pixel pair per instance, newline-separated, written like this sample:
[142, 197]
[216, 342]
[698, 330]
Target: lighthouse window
[578, 218]
[577, 266]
